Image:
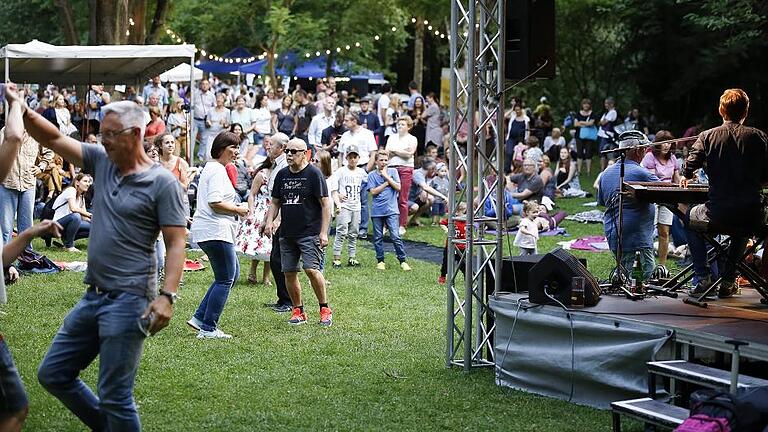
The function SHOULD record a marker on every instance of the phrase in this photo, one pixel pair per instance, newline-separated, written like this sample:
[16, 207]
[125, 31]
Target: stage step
[699, 374]
[647, 410]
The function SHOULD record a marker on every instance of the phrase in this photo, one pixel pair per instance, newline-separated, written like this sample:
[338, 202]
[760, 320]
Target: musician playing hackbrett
[735, 158]
[637, 224]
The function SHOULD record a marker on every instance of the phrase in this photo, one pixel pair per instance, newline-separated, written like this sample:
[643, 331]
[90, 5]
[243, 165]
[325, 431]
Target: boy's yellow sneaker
[381, 266]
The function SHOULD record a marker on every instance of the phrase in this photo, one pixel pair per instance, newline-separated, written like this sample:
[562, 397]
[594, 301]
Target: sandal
[253, 280]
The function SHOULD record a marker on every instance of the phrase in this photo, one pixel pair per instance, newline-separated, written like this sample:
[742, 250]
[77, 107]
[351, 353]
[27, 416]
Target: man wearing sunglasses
[300, 196]
[136, 198]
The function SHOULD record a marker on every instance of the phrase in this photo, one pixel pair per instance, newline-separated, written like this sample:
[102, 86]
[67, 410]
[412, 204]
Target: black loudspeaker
[530, 38]
[514, 273]
[553, 275]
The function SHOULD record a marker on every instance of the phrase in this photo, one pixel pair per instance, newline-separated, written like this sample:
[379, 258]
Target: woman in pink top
[662, 162]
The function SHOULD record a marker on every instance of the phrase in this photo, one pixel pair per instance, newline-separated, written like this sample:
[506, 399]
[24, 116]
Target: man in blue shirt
[384, 184]
[637, 227]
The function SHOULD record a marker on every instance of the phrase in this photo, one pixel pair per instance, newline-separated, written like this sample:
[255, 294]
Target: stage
[596, 355]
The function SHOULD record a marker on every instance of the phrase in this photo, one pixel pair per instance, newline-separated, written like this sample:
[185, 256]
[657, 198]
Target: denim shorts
[13, 397]
[307, 248]
[438, 209]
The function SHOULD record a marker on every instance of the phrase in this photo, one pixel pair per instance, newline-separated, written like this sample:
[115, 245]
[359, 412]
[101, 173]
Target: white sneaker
[195, 323]
[215, 334]
[402, 231]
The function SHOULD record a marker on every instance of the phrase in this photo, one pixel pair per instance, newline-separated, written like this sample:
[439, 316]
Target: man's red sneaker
[297, 317]
[326, 317]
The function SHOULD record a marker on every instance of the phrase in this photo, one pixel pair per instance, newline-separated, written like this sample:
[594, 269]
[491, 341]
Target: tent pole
[87, 125]
[190, 146]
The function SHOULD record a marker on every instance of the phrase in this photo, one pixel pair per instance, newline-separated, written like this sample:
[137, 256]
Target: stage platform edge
[612, 341]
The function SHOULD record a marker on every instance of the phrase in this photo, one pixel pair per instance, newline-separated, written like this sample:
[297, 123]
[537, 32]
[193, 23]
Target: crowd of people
[272, 173]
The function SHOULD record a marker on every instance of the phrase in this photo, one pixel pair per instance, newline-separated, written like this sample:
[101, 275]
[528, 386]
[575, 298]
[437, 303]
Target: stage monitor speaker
[553, 274]
[514, 273]
[530, 38]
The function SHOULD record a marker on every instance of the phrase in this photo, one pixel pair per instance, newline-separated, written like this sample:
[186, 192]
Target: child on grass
[345, 190]
[528, 231]
[441, 184]
[384, 184]
[459, 232]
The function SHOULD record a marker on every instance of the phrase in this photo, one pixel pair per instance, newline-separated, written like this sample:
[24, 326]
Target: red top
[232, 173]
[459, 231]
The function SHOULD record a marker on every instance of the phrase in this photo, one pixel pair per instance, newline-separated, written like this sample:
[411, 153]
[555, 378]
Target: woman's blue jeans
[75, 228]
[226, 270]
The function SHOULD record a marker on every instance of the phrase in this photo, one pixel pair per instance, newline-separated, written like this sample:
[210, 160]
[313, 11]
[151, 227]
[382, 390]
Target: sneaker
[195, 323]
[326, 317]
[363, 236]
[336, 264]
[402, 231]
[297, 317]
[278, 308]
[728, 289]
[381, 266]
[404, 265]
[215, 334]
[353, 262]
[701, 288]
[441, 280]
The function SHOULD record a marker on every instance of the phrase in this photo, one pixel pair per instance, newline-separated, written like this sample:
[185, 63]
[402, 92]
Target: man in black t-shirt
[300, 195]
[305, 112]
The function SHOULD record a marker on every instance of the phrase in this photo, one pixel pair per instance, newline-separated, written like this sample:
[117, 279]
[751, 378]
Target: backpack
[720, 411]
[49, 210]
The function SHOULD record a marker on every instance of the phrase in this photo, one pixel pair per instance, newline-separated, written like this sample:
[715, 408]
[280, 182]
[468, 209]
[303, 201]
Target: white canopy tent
[39, 62]
[42, 63]
[181, 73]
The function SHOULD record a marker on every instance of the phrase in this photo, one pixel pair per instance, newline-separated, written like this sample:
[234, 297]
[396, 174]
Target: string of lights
[431, 29]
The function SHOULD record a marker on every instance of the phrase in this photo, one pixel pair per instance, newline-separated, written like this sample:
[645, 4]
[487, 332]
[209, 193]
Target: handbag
[588, 133]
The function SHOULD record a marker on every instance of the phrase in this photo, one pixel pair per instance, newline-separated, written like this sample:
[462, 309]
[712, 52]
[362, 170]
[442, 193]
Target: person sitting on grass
[345, 190]
[384, 184]
[422, 195]
[71, 214]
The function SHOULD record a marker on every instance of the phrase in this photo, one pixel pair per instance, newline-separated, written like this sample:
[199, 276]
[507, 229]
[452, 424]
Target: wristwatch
[172, 296]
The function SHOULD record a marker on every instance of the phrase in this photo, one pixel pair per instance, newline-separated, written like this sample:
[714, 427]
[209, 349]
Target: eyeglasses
[112, 135]
[293, 151]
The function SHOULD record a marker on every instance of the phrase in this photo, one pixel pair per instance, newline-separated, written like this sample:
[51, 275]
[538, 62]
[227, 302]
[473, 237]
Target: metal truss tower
[476, 158]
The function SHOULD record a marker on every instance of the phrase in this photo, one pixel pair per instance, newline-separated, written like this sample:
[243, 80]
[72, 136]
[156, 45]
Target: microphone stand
[621, 271]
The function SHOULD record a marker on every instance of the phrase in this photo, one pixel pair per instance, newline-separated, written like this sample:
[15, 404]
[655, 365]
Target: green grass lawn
[380, 367]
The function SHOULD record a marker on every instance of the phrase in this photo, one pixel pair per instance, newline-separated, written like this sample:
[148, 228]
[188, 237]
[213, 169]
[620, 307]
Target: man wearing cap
[345, 191]
[637, 224]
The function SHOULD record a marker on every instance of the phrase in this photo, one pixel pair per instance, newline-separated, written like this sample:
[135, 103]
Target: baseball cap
[632, 138]
[353, 149]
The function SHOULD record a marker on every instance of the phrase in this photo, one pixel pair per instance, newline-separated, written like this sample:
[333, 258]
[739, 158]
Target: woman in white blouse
[63, 117]
[70, 212]
[401, 148]
[214, 228]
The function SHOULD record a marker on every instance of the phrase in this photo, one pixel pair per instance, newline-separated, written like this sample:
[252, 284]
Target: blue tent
[213, 66]
[256, 68]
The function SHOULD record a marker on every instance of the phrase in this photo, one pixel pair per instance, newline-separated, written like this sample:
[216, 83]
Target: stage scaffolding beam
[477, 116]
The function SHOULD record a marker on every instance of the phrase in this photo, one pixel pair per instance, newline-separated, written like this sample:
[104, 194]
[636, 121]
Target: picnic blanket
[591, 216]
[589, 243]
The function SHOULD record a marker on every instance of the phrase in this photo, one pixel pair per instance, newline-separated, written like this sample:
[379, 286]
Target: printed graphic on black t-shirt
[300, 197]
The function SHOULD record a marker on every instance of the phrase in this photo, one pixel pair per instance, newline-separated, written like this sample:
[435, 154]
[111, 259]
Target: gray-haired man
[136, 198]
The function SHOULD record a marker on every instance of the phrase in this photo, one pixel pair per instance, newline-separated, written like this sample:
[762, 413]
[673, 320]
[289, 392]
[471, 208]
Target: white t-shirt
[62, 207]
[609, 116]
[526, 240]
[549, 142]
[263, 119]
[364, 141]
[383, 103]
[347, 183]
[394, 142]
[214, 186]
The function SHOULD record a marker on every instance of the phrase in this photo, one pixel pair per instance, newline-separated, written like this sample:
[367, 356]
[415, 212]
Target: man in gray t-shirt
[136, 199]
